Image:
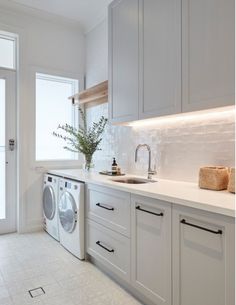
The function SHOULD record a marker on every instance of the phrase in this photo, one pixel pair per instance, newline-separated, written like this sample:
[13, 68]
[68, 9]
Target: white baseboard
[30, 228]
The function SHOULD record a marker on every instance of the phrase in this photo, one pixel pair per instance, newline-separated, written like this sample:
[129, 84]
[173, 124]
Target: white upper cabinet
[207, 53]
[144, 59]
[169, 56]
[160, 58]
[123, 60]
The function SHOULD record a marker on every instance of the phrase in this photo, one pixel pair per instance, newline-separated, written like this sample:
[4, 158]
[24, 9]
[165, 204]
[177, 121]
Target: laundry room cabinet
[144, 59]
[203, 258]
[108, 228]
[208, 54]
[151, 248]
[169, 56]
[162, 252]
[123, 60]
[160, 58]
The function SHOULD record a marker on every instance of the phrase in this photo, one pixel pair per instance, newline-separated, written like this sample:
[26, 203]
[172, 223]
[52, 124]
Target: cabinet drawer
[110, 248]
[109, 207]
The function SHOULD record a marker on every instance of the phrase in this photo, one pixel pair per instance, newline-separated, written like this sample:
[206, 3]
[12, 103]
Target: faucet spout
[150, 171]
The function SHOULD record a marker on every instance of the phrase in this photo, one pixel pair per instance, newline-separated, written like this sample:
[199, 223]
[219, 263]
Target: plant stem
[88, 160]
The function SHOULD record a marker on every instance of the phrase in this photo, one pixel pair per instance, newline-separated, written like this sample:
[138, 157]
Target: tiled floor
[30, 261]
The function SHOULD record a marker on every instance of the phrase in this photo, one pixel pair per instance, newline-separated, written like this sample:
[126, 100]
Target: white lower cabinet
[151, 248]
[203, 258]
[172, 255]
[110, 248]
[109, 207]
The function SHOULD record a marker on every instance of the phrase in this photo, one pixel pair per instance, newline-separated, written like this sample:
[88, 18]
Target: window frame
[14, 38]
[42, 165]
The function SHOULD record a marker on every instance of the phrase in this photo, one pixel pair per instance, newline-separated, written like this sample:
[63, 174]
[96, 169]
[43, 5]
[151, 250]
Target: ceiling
[87, 12]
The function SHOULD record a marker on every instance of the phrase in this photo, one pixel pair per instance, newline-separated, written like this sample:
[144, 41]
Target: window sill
[44, 166]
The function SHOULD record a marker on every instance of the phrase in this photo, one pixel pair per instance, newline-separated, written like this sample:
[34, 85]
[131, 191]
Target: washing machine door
[49, 202]
[67, 212]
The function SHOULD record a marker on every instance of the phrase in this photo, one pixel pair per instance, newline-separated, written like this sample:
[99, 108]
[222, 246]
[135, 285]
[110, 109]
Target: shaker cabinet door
[160, 58]
[123, 60]
[203, 258]
[207, 53]
[151, 249]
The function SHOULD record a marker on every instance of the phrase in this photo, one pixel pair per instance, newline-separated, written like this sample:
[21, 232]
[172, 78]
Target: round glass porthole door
[67, 212]
[49, 204]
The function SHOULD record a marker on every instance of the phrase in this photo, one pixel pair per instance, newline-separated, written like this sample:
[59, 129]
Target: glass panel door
[7, 151]
[2, 150]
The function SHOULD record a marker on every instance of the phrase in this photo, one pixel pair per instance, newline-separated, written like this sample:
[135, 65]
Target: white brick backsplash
[179, 146]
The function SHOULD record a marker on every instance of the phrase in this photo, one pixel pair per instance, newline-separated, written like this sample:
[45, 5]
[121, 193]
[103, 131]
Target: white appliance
[71, 216]
[50, 205]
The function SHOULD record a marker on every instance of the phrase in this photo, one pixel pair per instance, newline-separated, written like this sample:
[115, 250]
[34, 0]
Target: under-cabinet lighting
[204, 115]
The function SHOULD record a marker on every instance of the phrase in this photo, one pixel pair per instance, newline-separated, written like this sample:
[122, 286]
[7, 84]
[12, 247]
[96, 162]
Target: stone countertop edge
[177, 192]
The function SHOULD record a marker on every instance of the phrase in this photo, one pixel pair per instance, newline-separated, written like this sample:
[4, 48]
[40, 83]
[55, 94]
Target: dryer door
[49, 202]
[67, 212]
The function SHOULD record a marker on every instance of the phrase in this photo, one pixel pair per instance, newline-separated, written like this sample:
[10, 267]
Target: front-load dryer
[71, 216]
[50, 205]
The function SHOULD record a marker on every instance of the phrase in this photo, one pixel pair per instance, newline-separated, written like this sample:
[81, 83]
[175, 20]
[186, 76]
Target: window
[53, 108]
[7, 52]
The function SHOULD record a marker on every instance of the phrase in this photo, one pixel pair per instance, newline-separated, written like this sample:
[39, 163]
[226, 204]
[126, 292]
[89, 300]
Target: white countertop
[182, 193]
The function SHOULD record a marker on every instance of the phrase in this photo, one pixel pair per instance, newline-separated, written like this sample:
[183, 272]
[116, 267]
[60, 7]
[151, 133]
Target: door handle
[11, 144]
[149, 212]
[183, 221]
[105, 248]
[104, 207]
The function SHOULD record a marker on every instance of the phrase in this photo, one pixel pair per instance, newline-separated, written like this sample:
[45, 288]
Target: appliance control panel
[70, 186]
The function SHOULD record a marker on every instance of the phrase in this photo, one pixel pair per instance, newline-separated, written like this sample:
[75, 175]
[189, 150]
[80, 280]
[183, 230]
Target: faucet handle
[151, 173]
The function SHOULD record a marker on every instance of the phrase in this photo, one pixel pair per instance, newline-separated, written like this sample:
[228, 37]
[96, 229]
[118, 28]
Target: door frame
[9, 224]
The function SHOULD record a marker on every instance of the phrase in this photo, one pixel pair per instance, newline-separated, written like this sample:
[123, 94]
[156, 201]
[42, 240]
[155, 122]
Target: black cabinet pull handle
[104, 207]
[183, 221]
[100, 245]
[157, 214]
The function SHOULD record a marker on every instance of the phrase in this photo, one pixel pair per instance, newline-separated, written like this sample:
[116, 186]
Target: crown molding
[93, 26]
[13, 7]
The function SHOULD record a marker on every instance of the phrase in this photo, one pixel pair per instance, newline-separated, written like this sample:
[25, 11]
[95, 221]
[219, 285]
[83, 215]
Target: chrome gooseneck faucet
[150, 171]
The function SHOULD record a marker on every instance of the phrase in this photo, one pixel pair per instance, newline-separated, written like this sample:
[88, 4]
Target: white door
[7, 151]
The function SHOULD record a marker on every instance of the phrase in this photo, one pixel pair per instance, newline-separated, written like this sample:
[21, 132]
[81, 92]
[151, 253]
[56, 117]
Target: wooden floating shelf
[95, 95]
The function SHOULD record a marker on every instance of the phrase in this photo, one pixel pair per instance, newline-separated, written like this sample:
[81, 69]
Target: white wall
[49, 45]
[179, 145]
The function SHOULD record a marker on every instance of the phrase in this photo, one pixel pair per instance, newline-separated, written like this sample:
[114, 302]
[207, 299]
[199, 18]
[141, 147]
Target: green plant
[84, 139]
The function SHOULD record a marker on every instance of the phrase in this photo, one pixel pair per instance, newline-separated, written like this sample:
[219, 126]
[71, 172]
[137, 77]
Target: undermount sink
[133, 180]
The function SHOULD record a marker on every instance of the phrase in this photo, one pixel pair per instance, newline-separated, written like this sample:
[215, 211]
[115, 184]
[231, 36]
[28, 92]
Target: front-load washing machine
[71, 216]
[50, 205]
